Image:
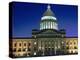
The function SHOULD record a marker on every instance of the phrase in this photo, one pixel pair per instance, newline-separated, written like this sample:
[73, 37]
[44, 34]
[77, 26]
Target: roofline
[32, 37]
[22, 38]
[71, 37]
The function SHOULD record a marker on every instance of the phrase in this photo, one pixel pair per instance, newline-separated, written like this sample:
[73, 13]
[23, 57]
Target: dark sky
[27, 16]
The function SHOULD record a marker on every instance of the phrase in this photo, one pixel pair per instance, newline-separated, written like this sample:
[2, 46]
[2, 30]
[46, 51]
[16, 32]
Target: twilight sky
[27, 16]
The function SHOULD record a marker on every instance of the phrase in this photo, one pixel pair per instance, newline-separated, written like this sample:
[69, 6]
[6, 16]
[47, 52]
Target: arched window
[75, 47]
[24, 44]
[19, 44]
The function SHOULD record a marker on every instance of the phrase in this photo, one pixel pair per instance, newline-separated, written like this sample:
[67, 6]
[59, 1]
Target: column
[46, 25]
[54, 25]
[51, 25]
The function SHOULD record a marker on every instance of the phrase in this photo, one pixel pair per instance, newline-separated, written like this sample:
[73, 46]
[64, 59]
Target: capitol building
[46, 41]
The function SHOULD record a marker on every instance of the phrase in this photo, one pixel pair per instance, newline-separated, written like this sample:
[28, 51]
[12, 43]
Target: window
[67, 47]
[14, 50]
[15, 44]
[19, 50]
[19, 44]
[24, 49]
[29, 54]
[45, 48]
[24, 44]
[52, 48]
[29, 49]
[74, 42]
[70, 42]
[29, 44]
[35, 49]
[75, 47]
[71, 51]
[49, 49]
[25, 54]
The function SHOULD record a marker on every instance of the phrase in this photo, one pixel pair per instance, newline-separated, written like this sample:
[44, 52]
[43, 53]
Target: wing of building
[46, 41]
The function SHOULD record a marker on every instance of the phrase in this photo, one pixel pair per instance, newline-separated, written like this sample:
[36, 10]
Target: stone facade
[43, 44]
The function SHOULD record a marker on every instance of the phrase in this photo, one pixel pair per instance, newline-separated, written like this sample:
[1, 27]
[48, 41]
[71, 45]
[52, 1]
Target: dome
[48, 21]
[48, 12]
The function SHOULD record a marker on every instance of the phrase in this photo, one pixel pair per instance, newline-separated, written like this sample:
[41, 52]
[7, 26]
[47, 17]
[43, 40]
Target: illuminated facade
[22, 47]
[71, 45]
[48, 41]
